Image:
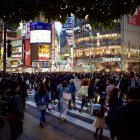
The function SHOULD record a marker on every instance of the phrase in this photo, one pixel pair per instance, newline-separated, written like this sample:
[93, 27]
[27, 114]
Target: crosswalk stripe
[73, 120]
[82, 114]
[78, 105]
[79, 101]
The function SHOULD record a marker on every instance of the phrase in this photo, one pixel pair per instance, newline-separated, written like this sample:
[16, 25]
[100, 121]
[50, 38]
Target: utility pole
[4, 52]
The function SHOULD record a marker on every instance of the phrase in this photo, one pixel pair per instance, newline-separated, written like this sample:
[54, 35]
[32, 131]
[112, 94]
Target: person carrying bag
[42, 99]
[64, 96]
[83, 93]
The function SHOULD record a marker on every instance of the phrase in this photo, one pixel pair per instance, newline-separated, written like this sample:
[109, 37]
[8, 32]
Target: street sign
[69, 23]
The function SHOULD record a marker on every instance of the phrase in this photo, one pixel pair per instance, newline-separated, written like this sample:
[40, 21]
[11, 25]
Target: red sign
[27, 53]
[135, 19]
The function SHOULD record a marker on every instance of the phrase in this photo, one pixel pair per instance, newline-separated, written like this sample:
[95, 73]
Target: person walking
[72, 90]
[63, 101]
[109, 88]
[99, 122]
[42, 99]
[125, 123]
[114, 103]
[83, 93]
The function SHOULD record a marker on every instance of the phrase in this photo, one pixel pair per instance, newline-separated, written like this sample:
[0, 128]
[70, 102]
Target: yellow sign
[44, 52]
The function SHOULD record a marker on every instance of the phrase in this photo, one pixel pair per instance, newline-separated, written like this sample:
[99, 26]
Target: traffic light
[9, 48]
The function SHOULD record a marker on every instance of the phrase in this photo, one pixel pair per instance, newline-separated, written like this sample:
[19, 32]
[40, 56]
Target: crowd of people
[117, 93]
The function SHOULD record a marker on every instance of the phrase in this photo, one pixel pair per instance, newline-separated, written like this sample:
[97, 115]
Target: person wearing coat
[72, 90]
[109, 88]
[15, 114]
[63, 102]
[42, 99]
[125, 123]
[114, 103]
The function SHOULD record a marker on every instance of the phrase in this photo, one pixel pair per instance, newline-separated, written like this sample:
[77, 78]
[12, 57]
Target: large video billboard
[40, 32]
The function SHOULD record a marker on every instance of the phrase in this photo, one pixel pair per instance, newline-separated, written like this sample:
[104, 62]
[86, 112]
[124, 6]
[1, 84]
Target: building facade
[116, 49]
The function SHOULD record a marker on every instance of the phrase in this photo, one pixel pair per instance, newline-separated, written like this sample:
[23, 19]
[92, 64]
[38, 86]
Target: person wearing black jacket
[126, 120]
[15, 112]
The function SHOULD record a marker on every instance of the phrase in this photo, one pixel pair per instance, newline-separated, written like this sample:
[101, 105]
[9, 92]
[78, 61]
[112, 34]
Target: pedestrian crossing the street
[82, 119]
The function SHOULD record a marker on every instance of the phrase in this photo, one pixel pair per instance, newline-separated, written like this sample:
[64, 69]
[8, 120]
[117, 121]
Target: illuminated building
[117, 49]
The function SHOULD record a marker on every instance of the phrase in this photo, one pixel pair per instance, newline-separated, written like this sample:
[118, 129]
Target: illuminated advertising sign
[69, 37]
[111, 59]
[40, 32]
[27, 30]
[44, 52]
[135, 19]
[27, 53]
[16, 50]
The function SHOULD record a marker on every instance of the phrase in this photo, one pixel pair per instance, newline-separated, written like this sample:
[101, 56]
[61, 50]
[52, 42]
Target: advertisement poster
[44, 52]
[27, 30]
[69, 37]
[27, 54]
[135, 19]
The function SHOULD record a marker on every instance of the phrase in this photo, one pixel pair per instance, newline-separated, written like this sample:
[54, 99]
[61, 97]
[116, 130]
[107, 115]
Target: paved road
[54, 129]
[77, 127]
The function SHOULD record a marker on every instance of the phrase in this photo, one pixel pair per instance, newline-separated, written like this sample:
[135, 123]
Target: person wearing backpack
[99, 121]
[72, 90]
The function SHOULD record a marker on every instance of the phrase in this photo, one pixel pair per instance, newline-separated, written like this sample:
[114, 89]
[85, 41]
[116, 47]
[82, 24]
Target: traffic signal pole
[4, 52]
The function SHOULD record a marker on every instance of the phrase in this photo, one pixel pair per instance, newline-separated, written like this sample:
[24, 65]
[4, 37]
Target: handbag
[50, 107]
[97, 110]
[42, 107]
[66, 96]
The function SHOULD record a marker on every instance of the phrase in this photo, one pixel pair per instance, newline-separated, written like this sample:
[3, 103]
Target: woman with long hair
[114, 103]
[42, 99]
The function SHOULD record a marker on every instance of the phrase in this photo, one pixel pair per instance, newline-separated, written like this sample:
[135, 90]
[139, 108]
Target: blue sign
[40, 26]
[69, 23]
